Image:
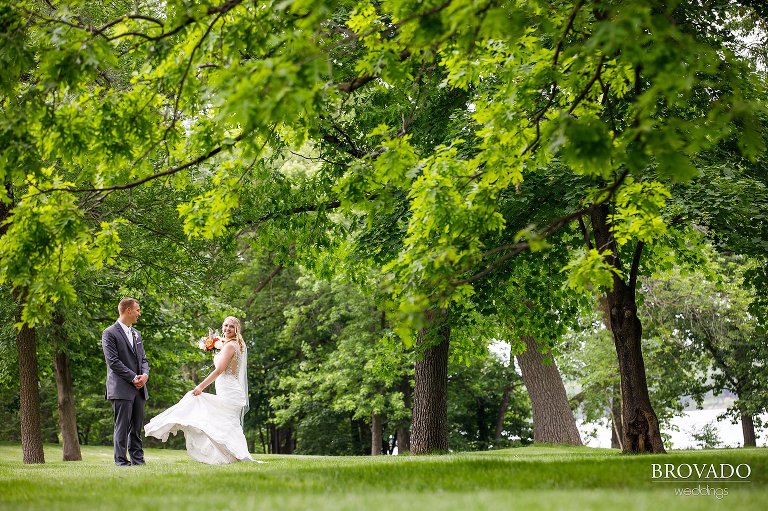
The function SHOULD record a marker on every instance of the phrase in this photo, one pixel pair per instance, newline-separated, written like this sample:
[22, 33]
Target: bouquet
[213, 341]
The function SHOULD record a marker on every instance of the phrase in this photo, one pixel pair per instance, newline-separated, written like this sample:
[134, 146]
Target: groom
[127, 375]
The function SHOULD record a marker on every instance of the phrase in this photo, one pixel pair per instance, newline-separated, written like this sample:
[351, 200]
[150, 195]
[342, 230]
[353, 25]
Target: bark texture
[553, 420]
[404, 432]
[281, 440]
[639, 422]
[66, 405]
[640, 426]
[502, 413]
[430, 404]
[614, 400]
[376, 434]
[29, 389]
[748, 430]
[29, 396]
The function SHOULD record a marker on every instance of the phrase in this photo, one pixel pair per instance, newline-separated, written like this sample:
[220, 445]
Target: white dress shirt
[127, 331]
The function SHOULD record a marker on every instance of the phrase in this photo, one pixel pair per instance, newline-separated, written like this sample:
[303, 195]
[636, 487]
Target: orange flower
[211, 342]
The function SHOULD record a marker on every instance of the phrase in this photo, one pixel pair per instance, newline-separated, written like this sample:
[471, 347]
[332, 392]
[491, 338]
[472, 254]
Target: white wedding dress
[211, 423]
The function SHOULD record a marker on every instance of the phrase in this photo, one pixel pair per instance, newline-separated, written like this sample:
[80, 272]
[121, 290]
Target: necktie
[133, 339]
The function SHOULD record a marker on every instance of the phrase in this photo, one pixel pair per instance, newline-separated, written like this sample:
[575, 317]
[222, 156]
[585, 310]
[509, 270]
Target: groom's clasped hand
[139, 381]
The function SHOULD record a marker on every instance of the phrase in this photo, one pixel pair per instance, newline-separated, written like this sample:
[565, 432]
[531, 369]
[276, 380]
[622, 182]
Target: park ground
[556, 477]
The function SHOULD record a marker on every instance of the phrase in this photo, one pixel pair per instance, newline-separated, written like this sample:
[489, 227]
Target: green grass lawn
[524, 478]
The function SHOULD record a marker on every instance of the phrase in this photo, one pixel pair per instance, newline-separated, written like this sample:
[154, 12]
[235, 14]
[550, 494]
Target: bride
[213, 424]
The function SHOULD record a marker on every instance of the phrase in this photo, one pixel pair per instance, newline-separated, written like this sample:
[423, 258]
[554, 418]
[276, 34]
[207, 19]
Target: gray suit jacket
[123, 363]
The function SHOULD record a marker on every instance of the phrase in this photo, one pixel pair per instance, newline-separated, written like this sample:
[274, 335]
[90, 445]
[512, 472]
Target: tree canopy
[203, 97]
[414, 148]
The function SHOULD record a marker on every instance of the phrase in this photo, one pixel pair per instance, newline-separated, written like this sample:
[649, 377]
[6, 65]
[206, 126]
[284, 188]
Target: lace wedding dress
[211, 423]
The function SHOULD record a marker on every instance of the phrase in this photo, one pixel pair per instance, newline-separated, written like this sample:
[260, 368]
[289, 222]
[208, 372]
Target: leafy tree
[589, 362]
[707, 437]
[349, 362]
[529, 307]
[727, 203]
[707, 312]
[487, 407]
[103, 101]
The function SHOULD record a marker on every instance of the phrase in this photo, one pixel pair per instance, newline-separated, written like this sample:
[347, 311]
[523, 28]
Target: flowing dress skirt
[211, 424]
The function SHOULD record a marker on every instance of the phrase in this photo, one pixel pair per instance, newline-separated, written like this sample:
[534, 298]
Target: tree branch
[360, 81]
[552, 227]
[635, 266]
[100, 32]
[539, 114]
[133, 184]
[582, 95]
[516, 248]
[306, 208]
[274, 273]
[587, 239]
[590, 84]
[355, 83]
[352, 148]
[568, 27]
[186, 71]
[716, 354]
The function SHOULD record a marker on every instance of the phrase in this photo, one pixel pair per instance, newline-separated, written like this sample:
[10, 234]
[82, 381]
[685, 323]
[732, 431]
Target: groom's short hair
[126, 303]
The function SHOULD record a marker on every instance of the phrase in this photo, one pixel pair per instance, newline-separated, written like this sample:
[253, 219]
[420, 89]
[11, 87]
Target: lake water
[681, 436]
[683, 427]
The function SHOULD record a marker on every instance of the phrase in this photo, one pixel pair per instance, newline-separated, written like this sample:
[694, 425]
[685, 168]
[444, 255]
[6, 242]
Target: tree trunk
[748, 430]
[640, 426]
[743, 387]
[553, 420]
[430, 403]
[29, 396]
[377, 427]
[502, 413]
[483, 424]
[264, 448]
[281, 440]
[66, 404]
[82, 434]
[362, 431]
[29, 388]
[616, 429]
[614, 399]
[403, 432]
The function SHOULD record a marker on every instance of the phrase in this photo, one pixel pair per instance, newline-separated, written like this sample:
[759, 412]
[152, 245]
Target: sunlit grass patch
[552, 477]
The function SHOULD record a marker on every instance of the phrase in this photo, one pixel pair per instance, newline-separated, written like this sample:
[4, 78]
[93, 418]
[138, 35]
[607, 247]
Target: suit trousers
[129, 419]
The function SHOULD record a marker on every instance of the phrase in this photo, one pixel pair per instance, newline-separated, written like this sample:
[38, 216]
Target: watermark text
[701, 479]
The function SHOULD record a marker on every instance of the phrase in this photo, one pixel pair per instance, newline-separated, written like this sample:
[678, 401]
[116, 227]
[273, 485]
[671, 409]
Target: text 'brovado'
[723, 471]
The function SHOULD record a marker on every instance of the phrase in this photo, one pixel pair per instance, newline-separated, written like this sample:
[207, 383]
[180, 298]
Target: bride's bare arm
[226, 355]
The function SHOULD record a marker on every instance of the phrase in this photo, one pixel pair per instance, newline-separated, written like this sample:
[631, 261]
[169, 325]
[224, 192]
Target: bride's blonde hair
[238, 334]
